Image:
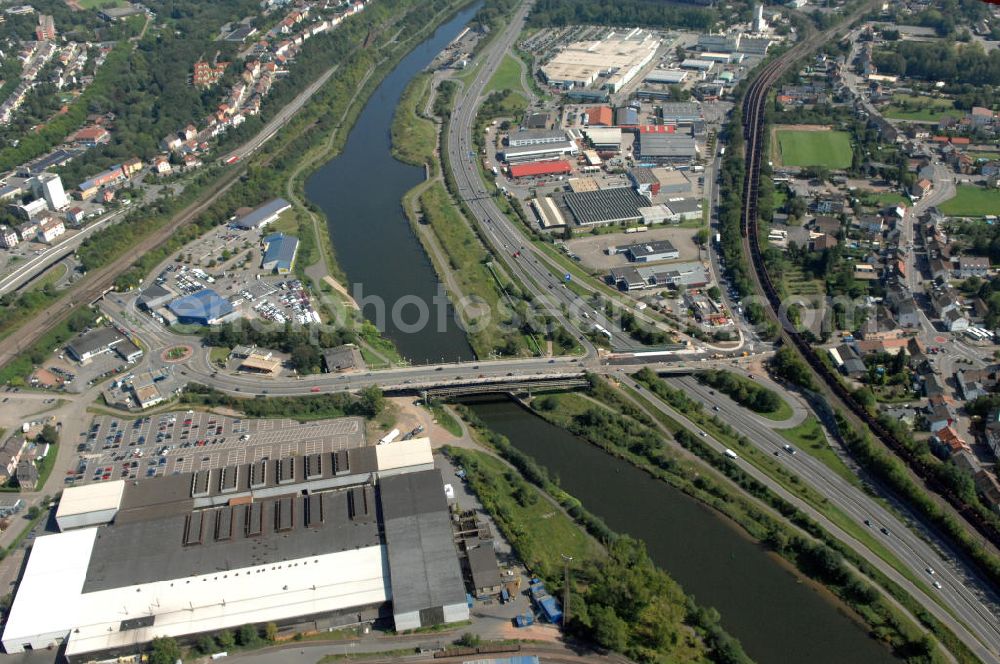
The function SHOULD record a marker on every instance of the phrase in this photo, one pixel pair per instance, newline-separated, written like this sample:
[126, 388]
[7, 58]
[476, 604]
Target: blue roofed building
[204, 307]
[263, 215]
[279, 252]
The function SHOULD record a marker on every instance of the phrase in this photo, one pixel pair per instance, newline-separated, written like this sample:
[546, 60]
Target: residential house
[972, 266]
[27, 475]
[50, 228]
[8, 237]
[921, 188]
[946, 442]
[940, 417]
[10, 456]
[988, 488]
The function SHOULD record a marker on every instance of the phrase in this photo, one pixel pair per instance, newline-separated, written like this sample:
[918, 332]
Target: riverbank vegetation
[414, 136]
[615, 424]
[619, 600]
[747, 393]
[494, 329]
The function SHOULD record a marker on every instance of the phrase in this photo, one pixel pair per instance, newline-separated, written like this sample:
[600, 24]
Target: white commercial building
[51, 228]
[49, 187]
[617, 58]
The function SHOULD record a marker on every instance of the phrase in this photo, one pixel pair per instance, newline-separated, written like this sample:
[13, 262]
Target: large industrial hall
[341, 538]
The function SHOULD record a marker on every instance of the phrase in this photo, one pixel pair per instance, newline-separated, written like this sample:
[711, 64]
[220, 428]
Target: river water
[778, 618]
[360, 192]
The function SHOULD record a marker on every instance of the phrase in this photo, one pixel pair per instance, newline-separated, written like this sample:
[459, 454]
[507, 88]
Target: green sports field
[970, 201]
[815, 148]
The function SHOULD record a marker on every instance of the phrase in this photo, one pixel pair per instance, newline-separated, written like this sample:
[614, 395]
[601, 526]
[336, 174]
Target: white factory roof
[47, 599]
[210, 602]
[57, 568]
[404, 453]
[604, 135]
[95, 497]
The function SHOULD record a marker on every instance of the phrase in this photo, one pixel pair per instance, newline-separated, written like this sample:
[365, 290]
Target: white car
[930, 570]
[937, 585]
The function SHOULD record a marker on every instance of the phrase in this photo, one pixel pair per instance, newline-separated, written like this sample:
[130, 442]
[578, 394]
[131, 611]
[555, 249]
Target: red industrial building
[600, 116]
[557, 167]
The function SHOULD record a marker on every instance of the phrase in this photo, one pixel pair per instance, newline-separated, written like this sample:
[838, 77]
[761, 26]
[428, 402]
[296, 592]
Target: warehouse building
[524, 137]
[600, 116]
[617, 205]
[539, 168]
[518, 154]
[548, 212]
[666, 76]
[154, 297]
[665, 148]
[684, 209]
[279, 253]
[682, 112]
[686, 275]
[698, 65]
[96, 342]
[331, 540]
[617, 58]
[605, 139]
[649, 252]
[204, 307]
[264, 215]
[719, 43]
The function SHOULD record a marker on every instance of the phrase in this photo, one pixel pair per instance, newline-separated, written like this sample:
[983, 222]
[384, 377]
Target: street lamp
[566, 561]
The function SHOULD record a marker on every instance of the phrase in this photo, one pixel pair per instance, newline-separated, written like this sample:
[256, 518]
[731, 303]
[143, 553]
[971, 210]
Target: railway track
[753, 124]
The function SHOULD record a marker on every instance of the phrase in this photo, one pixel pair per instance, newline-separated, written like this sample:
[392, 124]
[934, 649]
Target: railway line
[753, 120]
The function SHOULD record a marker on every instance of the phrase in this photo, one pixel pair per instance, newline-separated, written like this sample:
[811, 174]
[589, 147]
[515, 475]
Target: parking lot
[181, 442]
[591, 249]
[227, 260]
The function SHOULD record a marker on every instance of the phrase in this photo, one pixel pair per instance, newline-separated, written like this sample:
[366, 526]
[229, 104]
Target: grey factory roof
[94, 341]
[153, 294]
[280, 250]
[483, 566]
[649, 248]
[667, 145]
[681, 109]
[422, 562]
[682, 205]
[231, 537]
[551, 135]
[204, 305]
[605, 205]
[264, 213]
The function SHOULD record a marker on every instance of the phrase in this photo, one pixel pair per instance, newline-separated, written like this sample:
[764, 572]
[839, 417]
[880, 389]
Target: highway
[968, 595]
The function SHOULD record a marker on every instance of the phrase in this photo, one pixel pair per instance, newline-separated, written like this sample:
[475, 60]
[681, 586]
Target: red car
[315, 389]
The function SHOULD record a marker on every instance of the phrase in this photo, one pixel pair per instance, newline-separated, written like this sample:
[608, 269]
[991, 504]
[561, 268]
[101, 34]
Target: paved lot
[591, 249]
[181, 442]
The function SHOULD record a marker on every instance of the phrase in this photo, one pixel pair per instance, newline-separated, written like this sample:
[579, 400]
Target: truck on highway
[729, 453]
[603, 330]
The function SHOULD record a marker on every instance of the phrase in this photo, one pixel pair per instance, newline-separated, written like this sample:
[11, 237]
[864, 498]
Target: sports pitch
[815, 148]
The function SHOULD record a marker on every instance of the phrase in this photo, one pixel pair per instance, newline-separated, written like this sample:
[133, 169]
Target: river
[360, 191]
[777, 617]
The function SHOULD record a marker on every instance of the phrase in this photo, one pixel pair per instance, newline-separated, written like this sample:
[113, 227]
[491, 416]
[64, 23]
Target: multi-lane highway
[963, 591]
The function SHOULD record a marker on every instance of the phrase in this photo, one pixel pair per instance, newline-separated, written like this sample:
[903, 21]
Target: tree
[371, 401]
[701, 237]
[608, 629]
[205, 644]
[225, 639]
[271, 631]
[49, 435]
[247, 636]
[305, 358]
[164, 650]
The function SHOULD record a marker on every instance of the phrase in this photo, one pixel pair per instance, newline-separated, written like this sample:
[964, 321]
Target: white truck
[729, 453]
